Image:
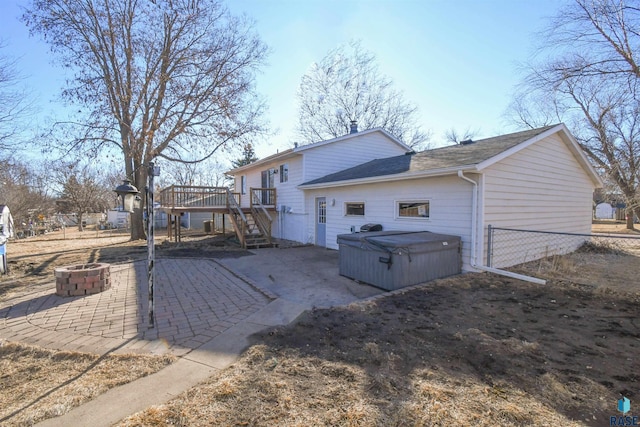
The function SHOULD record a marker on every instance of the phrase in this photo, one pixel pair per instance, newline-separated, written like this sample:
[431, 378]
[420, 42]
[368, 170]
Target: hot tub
[395, 259]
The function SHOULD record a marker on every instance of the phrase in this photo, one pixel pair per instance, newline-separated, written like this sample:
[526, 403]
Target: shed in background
[6, 223]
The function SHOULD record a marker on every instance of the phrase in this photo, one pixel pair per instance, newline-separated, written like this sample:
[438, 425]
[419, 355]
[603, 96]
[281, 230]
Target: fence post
[489, 244]
[4, 269]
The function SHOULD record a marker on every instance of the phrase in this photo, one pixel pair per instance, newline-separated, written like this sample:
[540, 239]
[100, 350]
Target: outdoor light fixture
[128, 195]
[130, 199]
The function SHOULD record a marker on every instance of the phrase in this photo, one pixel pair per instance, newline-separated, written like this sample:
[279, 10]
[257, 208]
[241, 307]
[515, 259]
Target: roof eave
[279, 156]
[571, 142]
[574, 146]
[388, 178]
[352, 135]
[509, 152]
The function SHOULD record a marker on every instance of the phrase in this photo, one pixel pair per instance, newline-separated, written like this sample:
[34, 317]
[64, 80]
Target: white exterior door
[321, 221]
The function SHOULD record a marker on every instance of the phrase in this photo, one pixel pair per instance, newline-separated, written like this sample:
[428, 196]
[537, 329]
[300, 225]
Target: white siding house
[449, 208]
[305, 163]
[536, 179]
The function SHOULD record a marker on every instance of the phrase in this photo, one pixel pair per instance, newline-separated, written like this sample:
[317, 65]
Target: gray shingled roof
[439, 158]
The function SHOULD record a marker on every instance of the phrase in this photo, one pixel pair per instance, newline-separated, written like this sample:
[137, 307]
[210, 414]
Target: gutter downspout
[474, 233]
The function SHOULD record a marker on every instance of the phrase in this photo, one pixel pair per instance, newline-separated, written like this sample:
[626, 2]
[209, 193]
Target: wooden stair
[253, 228]
[254, 238]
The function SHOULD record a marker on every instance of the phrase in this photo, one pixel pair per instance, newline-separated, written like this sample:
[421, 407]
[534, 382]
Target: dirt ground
[37, 383]
[475, 349]
[31, 262]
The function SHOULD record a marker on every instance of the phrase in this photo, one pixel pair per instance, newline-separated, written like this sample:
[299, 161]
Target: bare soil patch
[32, 261]
[614, 227]
[476, 349]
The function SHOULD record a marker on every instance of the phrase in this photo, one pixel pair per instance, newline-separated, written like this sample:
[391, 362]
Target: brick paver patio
[195, 300]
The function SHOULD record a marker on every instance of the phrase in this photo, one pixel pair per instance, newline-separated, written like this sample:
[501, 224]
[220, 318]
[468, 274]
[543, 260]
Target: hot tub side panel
[364, 265]
[409, 265]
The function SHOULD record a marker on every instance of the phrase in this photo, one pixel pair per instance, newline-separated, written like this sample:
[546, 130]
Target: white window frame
[364, 209]
[412, 218]
[243, 184]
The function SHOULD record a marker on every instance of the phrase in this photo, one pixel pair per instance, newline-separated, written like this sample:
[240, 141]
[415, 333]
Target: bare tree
[14, 103]
[213, 175]
[455, 137]
[167, 78]
[345, 86]
[209, 173]
[589, 78]
[81, 191]
[180, 173]
[25, 190]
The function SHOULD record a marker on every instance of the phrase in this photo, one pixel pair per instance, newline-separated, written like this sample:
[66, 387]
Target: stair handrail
[233, 205]
[234, 212]
[261, 216]
[255, 201]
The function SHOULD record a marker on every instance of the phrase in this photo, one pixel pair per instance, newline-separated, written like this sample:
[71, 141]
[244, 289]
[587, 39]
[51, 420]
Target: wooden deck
[178, 199]
[252, 224]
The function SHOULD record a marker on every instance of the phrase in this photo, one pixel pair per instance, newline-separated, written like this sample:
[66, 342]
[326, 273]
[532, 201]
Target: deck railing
[263, 196]
[188, 196]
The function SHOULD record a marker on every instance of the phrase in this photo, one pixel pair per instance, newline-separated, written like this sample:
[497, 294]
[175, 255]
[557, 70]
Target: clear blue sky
[456, 60]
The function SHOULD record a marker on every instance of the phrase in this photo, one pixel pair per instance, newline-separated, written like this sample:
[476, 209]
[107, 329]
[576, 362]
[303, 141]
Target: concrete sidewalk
[189, 370]
[307, 275]
[206, 312]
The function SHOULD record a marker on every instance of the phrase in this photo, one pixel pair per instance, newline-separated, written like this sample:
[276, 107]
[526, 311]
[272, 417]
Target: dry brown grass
[37, 383]
[281, 387]
[477, 350]
[471, 350]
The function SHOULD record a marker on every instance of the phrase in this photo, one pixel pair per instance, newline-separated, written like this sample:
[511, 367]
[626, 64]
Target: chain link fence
[507, 246]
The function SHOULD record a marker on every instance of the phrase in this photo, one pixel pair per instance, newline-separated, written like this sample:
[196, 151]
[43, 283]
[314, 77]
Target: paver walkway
[195, 300]
[205, 313]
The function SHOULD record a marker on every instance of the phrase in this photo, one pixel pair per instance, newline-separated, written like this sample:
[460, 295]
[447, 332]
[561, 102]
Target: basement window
[354, 208]
[416, 209]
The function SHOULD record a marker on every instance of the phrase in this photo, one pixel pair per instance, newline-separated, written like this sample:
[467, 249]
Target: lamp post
[130, 199]
[151, 250]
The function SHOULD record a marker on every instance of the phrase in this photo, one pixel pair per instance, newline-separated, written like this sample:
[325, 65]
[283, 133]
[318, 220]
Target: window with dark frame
[284, 172]
[354, 208]
[417, 209]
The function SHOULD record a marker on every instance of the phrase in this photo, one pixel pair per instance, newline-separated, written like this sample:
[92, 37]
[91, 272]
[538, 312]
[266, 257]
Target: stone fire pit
[82, 279]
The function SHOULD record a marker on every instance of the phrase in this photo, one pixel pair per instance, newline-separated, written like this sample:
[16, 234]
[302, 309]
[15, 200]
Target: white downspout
[474, 234]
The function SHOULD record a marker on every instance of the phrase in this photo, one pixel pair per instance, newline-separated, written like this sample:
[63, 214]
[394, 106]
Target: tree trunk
[80, 222]
[631, 213]
[137, 225]
[629, 217]
[137, 221]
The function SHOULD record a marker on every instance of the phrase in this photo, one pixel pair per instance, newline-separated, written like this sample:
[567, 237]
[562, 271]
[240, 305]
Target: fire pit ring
[82, 279]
